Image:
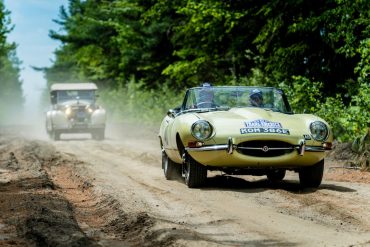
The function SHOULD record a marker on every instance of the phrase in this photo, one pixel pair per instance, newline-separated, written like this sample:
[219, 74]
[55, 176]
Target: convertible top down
[242, 130]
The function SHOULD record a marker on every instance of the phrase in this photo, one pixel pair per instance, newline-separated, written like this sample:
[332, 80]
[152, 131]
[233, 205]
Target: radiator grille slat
[265, 148]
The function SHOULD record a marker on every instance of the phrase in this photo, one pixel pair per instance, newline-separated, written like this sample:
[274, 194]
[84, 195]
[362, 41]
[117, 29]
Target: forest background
[143, 54]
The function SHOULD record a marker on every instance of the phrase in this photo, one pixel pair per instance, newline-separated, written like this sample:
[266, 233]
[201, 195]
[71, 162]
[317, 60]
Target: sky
[32, 20]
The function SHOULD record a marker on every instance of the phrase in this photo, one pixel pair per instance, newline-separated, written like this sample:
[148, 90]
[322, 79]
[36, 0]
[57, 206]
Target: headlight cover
[68, 110]
[319, 131]
[89, 108]
[202, 130]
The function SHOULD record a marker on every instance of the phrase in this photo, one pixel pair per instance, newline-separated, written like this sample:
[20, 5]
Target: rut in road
[228, 210]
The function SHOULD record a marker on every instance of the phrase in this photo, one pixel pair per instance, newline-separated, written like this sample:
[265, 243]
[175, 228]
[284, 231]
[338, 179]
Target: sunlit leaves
[318, 50]
[11, 98]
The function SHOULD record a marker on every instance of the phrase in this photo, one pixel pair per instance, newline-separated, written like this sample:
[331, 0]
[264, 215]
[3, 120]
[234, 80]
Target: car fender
[178, 126]
[48, 122]
[98, 116]
[58, 117]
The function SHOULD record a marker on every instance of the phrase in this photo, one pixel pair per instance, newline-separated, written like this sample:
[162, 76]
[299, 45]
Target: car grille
[79, 114]
[265, 148]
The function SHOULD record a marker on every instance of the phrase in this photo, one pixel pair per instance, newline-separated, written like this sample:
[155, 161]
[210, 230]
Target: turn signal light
[195, 144]
[327, 145]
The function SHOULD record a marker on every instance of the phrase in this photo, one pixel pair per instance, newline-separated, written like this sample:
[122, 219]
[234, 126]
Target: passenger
[206, 96]
[256, 98]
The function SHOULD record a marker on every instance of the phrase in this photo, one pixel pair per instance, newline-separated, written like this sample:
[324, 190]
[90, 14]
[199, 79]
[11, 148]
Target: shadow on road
[224, 182]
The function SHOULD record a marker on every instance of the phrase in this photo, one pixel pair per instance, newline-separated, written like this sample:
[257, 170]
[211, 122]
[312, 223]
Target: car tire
[195, 173]
[276, 175]
[55, 135]
[171, 170]
[98, 134]
[47, 128]
[311, 176]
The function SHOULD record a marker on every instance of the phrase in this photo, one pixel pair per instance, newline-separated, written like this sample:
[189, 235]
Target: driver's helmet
[256, 98]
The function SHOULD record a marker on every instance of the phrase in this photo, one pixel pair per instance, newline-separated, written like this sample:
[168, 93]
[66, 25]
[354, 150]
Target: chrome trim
[315, 149]
[208, 148]
[302, 147]
[231, 147]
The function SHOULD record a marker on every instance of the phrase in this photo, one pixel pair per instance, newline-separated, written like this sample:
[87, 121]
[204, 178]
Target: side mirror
[171, 113]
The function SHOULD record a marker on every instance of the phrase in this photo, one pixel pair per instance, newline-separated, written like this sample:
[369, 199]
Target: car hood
[232, 121]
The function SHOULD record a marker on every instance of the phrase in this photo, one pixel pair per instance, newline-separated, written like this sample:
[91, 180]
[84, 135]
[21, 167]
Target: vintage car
[74, 110]
[242, 130]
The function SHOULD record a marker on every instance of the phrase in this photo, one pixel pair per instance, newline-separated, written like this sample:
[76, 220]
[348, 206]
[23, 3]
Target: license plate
[264, 130]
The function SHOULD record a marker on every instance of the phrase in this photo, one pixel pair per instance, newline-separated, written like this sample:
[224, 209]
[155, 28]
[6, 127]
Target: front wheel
[311, 176]
[195, 173]
[98, 134]
[55, 135]
[171, 170]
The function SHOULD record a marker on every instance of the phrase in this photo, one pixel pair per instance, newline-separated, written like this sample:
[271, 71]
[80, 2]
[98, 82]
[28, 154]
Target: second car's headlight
[89, 109]
[68, 110]
[319, 131]
[201, 130]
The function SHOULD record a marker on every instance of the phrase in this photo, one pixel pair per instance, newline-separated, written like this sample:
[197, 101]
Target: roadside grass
[133, 103]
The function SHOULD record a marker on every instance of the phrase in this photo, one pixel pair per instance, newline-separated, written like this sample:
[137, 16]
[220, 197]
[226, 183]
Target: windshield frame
[75, 95]
[276, 95]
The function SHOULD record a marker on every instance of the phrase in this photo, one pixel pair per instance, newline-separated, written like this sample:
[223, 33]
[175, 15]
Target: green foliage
[336, 114]
[317, 51]
[361, 146]
[11, 98]
[363, 67]
[346, 122]
[132, 102]
[304, 95]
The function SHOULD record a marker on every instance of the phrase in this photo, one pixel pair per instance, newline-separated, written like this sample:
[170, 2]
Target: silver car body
[74, 110]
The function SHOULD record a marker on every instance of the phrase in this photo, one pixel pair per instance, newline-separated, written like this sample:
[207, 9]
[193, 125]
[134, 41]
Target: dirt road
[113, 193]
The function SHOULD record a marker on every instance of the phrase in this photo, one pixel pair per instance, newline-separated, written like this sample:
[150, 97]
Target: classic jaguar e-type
[242, 130]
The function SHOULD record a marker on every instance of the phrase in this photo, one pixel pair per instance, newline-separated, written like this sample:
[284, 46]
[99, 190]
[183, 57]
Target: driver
[206, 96]
[256, 98]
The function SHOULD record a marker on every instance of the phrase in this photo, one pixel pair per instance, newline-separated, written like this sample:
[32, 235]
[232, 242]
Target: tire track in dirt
[32, 210]
[119, 196]
[242, 201]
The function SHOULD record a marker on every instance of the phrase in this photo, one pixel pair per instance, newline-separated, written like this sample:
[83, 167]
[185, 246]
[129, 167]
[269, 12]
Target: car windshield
[68, 95]
[226, 97]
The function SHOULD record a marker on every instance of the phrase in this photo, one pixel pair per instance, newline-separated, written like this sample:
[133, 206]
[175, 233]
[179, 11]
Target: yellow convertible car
[242, 130]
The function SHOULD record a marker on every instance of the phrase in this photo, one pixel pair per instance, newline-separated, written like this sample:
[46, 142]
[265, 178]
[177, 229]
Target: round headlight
[89, 109]
[319, 131]
[68, 110]
[201, 130]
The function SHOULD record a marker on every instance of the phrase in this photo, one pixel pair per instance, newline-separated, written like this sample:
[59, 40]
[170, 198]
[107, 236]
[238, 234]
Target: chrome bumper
[225, 147]
[230, 147]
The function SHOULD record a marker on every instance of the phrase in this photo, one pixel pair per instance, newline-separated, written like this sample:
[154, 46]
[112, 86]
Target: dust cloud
[29, 118]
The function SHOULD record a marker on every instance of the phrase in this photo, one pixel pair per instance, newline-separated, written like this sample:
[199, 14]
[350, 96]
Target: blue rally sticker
[261, 123]
[264, 126]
